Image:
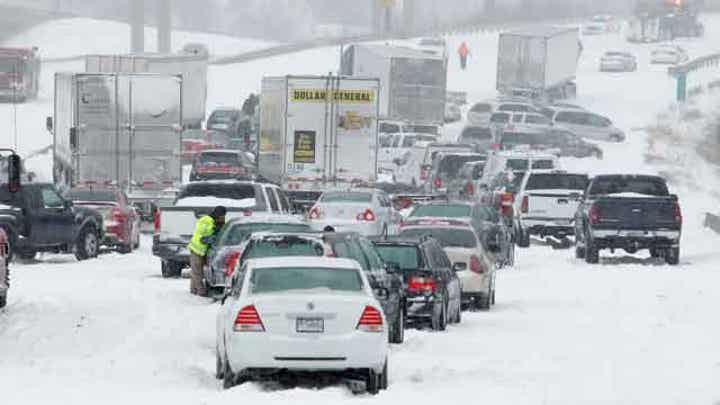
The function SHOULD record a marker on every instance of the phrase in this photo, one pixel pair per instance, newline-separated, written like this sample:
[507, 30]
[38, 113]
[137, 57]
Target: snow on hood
[214, 201]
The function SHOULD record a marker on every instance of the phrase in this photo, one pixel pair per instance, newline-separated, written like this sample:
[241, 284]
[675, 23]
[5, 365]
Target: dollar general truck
[318, 132]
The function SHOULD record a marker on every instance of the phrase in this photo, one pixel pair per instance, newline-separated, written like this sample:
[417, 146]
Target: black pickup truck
[629, 212]
[37, 219]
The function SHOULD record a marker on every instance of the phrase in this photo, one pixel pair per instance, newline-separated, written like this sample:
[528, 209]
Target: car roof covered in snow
[325, 262]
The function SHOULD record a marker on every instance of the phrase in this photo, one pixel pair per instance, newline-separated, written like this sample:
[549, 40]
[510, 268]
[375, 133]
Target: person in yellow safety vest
[206, 230]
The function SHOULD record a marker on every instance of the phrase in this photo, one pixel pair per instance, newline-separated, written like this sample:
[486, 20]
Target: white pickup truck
[546, 204]
[175, 225]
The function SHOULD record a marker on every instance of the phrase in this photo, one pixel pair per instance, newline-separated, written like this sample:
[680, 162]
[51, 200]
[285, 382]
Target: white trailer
[121, 130]
[318, 132]
[413, 82]
[539, 62]
[191, 64]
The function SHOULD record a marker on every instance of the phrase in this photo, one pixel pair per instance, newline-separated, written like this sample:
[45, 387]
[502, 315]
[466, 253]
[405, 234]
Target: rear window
[283, 247]
[422, 129]
[346, 197]
[295, 279]
[235, 233]
[481, 108]
[219, 158]
[557, 181]
[388, 128]
[442, 211]
[543, 164]
[407, 257]
[454, 237]
[500, 118]
[451, 165]
[517, 164]
[629, 185]
[470, 134]
[92, 195]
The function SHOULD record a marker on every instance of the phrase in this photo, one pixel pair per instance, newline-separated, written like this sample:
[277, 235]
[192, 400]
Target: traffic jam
[328, 214]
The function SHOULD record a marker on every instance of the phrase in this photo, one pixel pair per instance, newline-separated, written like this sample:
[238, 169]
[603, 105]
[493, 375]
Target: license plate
[310, 325]
[635, 234]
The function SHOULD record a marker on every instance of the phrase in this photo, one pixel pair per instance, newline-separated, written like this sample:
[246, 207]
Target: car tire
[124, 249]
[484, 302]
[672, 256]
[136, 244]
[229, 379]
[86, 246]
[398, 330]
[373, 382]
[439, 319]
[523, 239]
[458, 315]
[384, 377]
[26, 255]
[170, 269]
[3, 300]
[579, 252]
[592, 253]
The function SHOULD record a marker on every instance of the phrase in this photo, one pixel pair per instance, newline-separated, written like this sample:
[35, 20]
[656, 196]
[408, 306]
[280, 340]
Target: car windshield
[554, 181]
[234, 234]
[471, 134]
[346, 197]
[294, 279]
[442, 211]
[543, 164]
[448, 237]
[407, 257]
[219, 158]
[92, 195]
[284, 247]
[629, 185]
[517, 164]
[450, 165]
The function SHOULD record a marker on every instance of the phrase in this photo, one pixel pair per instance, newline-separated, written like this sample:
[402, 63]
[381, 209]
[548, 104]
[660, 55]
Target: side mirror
[49, 124]
[14, 164]
[73, 139]
[392, 268]
[459, 266]
[382, 293]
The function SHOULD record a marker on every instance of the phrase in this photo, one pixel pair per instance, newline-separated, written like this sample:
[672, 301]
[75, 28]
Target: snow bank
[214, 202]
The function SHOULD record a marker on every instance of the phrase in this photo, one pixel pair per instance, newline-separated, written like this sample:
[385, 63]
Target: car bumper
[171, 251]
[311, 352]
[420, 307]
[558, 227]
[363, 228]
[606, 238]
[473, 282]
[614, 68]
[214, 278]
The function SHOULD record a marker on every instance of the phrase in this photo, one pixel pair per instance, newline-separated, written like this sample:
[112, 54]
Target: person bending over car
[206, 230]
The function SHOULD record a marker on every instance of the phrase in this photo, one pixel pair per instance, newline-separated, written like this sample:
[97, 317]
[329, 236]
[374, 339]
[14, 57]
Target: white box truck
[118, 129]
[191, 64]
[318, 132]
[540, 63]
[413, 82]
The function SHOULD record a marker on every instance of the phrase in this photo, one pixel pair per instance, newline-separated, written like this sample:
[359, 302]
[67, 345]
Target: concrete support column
[164, 26]
[137, 26]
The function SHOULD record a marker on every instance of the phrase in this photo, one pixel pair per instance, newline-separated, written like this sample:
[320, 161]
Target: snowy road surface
[629, 331]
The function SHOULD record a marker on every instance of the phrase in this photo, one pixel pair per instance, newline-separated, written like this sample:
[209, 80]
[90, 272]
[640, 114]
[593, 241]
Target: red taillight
[315, 213]
[371, 320]
[118, 216]
[495, 146]
[438, 183]
[248, 320]
[470, 189]
[368, 216]
[594, 215]
[476, 266]
[678, 213]
[525, 205]
[156, 221]
[422, 285]
[506, 204]
[230, 262]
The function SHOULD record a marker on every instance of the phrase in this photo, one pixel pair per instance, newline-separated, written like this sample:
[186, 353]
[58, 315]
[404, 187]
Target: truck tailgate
[556, 204]
[637, 213]
[177, 223]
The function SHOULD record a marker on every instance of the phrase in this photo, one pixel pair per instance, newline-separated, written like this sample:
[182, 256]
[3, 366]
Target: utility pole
[164, 26]
[137, 26]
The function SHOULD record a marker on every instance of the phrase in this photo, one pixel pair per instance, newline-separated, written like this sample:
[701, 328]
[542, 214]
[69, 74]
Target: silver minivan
[588, 125]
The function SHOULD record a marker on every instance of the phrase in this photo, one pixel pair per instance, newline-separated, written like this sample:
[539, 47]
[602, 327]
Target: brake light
[315, 213]
[156, 221]
[678, 213]
[118, 216]
[495, 146]
[230, 262]
[525, 205]
[422, 285]
[248, 320]
[371, 320]
[476, 266]
[438, 183]
[594, 215]
[368, 216]
[506, 204]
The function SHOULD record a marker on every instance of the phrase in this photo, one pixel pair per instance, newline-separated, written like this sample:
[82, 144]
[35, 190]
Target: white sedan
[314, 315]
[368, 212]
[668, 54]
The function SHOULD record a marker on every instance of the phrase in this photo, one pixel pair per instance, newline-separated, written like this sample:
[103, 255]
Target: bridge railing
[682, 71]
